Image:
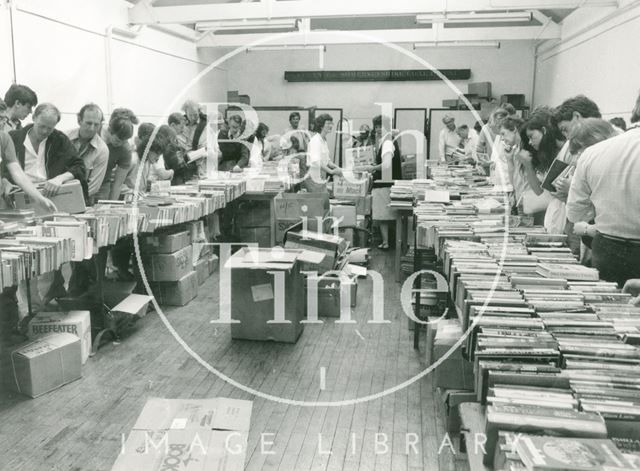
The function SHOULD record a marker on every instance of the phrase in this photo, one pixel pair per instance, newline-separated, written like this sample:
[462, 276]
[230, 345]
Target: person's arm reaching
[24, 182]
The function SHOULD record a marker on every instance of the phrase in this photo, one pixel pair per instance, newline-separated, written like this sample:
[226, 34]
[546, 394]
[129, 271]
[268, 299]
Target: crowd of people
[593, 198]
[571, 171]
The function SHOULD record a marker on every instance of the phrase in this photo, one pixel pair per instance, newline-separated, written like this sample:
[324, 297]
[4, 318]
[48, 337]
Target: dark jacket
[396, 163]
[232, 152]
[60, 155]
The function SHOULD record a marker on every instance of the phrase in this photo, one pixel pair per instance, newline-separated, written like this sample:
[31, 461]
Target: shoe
[383, 246]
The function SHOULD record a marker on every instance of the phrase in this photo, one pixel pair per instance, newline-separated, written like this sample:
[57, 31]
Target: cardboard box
[257, 235]
[254, 295]
[213, 263]
[516, 99]
[166, 243]
[331, 246]
[355, 237]
[177, 293]
[322, 226]
[452, 104]
[169, 267]
[252, 214]
[202, 270]
[334, 293]
[133, 305]
[481, 89]
[77, 323]
[45, 364]
[362, 203]
[344, 216]
[296, 205]
[452, 399]
[454, 372]
[194, 434]
[69, 199]
[356, 186]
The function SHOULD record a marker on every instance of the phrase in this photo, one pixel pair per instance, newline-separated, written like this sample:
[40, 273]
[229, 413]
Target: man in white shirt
[90, 146]
[449, 139]
[467, 145]
[605, 186]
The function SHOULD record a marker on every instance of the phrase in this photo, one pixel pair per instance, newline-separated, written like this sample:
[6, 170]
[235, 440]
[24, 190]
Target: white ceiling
[321, 21]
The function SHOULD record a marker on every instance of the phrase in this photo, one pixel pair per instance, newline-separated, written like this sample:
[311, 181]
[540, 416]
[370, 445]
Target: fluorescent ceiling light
[494, 44]
[474, 17]
[286, 48]
[246, 24]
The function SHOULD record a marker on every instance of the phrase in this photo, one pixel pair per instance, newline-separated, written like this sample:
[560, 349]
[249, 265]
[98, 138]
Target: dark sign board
[374, 75]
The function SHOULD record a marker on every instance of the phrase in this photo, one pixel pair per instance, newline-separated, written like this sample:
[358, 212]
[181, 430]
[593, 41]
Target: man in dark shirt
[20, 99]
[234, 151]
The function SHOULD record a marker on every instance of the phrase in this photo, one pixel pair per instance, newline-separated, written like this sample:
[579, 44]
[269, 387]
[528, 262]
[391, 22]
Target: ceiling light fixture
[493, 44]
[287, 48]
[246, 24]
[480, 17]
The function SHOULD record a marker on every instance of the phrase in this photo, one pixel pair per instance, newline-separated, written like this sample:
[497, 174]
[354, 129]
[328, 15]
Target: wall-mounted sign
[374, 75]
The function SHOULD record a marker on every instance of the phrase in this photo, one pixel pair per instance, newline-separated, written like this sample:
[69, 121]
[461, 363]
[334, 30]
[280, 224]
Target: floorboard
[81, 425]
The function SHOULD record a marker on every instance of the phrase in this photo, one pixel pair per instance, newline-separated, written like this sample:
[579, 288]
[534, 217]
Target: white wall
[261, 75]
[61, 53]
[597, 57]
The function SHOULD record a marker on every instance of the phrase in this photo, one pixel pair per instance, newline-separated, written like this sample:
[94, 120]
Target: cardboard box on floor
[166, 243]
[452, 398]
[45, 364]
[454, 372]
[77, 323]
[202, 269]
[188, 434]
[169, 267]
[333, 247]
[297, 205]
[334, 292]
[362, 203]
[253, 294]
[322, 225]
[344, 215]
[213, 263]
[177, 293]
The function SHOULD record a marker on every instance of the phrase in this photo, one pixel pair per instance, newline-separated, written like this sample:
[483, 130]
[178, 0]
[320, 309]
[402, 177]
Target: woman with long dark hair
[539, 148]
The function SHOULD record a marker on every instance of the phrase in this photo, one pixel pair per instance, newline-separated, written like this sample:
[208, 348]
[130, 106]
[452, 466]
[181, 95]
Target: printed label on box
[263, 292]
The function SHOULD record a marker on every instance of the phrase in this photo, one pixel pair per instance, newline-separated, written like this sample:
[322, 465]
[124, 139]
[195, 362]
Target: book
[557, 167]
[575, 454]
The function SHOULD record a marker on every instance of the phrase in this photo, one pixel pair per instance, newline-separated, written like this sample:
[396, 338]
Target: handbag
[532, 203]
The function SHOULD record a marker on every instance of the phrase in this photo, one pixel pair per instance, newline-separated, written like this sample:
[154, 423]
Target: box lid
[45, 344]
[195, 414]
[277, 258]
[132, 304]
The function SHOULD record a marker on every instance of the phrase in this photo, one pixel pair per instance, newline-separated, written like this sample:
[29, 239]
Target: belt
[620, 239]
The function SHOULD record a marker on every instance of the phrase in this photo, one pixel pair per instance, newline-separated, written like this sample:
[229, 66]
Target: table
[473, 422]
[402, 216]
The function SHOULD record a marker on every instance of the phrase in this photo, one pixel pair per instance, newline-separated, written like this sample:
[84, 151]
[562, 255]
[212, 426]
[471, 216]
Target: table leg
[399, 237]
[272, 221]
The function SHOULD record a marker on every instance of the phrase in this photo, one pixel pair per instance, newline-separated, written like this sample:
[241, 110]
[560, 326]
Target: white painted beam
[145, 13]
[385, 36]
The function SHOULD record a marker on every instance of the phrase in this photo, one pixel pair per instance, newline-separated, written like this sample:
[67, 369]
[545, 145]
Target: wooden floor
[80, 426]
